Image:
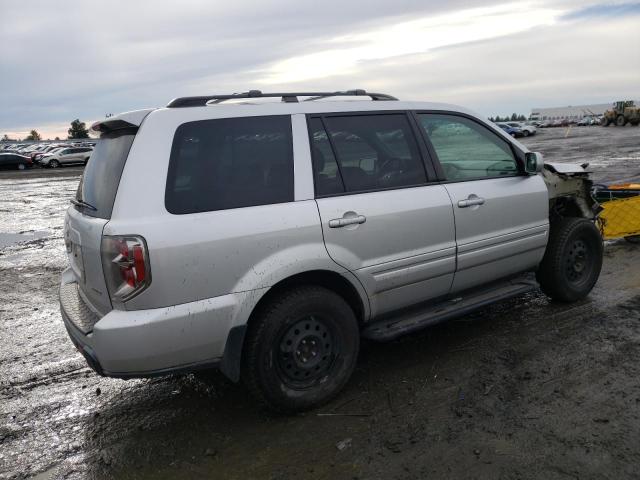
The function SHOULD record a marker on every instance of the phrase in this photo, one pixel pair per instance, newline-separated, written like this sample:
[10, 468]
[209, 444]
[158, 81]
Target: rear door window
[364, 153]
[101, 177]
[230, 163]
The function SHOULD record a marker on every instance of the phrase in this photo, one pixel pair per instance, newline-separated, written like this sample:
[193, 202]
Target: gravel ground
[524, 389]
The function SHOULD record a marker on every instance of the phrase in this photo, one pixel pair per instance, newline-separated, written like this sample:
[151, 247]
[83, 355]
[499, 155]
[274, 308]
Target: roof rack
[202, 101]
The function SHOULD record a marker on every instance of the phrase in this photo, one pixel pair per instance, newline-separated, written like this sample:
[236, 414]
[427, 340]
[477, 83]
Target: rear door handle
[471, 201]
[344, 221]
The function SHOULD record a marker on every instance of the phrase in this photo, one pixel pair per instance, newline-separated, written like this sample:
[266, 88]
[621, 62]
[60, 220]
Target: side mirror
[533, 162]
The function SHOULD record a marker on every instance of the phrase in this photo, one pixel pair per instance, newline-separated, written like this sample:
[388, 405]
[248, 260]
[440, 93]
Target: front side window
[467, 150]
[364, 153]
[230, 163]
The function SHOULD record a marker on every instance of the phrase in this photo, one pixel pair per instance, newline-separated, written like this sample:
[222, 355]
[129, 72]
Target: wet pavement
[523, 389]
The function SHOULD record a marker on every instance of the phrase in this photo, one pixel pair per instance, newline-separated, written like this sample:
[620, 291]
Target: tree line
[513, 118]
[78, 130]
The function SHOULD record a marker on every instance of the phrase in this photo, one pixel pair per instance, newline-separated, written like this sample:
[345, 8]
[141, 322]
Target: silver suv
[267, 237]
[65, 156]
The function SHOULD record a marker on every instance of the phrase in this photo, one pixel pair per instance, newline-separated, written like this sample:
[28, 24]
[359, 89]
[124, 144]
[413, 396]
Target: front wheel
[525, 133]
[573, 259]
[54, 164]
[21, 166]
[301, 349]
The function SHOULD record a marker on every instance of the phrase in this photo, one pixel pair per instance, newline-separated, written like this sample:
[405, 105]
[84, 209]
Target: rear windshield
[101, 177]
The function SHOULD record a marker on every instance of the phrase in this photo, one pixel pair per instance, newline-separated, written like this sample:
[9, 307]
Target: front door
[501, 213]
[381, 218]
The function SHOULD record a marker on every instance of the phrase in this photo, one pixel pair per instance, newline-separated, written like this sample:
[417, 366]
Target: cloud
[410, 37]
[64, 60]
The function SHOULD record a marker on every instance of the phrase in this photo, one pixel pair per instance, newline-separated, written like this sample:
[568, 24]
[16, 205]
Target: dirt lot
[524, 389]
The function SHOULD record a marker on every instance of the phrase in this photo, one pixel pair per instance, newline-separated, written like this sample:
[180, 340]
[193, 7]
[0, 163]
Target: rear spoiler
[122, 120]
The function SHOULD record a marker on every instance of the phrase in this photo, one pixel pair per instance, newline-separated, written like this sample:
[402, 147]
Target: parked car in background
[513, 131]
[561, 122]
[14, 160]
[67, 156]
[585, 121]
[28, 149]
[36, 156]
[526, 129]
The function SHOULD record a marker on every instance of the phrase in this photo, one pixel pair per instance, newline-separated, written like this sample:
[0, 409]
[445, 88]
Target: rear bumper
[143, 343]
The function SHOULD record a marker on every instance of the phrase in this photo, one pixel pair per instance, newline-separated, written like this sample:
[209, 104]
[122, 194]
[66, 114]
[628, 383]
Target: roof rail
[202, 101]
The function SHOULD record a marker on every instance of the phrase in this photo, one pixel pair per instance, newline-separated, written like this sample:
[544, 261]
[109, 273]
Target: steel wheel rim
[578, 262]
[306, 352]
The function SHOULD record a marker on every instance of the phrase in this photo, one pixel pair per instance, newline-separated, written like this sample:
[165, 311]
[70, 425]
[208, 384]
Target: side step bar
[390, 328]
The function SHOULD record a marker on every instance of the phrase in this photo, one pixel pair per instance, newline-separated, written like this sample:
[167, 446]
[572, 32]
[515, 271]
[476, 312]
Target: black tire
[301, 349]
[525, 133]
[604, 122]
[21, 166]
[53, 164]
[573, 259]
[621, 121]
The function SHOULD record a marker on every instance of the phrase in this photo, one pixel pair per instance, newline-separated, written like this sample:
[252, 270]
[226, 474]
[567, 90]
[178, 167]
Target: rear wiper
[82, 203]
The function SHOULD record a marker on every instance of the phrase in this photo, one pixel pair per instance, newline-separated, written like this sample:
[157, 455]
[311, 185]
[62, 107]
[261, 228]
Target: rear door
[382, 218]
[501, 213]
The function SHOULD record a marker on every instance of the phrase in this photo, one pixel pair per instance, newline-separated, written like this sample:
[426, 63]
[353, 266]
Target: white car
[526, 129]
[65, 156]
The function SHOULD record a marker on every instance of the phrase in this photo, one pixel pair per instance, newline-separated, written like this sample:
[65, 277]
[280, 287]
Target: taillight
[125, 261]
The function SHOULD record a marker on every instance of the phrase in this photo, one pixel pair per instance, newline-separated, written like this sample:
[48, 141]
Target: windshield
[101, 177]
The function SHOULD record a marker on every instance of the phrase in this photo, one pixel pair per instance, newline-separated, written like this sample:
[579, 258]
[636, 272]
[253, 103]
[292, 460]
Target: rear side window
[230, 163]
[101, 177]
[364, 153]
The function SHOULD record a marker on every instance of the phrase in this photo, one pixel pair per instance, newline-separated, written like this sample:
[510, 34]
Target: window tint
[230, 163]
[373, 152]
[101, 177]
[466, 149]
[325, 168]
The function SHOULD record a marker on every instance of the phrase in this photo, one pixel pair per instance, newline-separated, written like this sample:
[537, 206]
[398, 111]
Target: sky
[62, 60]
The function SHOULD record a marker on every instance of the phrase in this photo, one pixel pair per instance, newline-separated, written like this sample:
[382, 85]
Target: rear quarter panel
[203, 255]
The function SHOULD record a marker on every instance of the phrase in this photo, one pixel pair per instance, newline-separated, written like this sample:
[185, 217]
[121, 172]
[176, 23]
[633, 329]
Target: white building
[570, 112]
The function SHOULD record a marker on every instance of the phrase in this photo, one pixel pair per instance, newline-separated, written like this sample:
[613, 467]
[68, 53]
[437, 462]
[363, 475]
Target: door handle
[471, 201]
[344, 221]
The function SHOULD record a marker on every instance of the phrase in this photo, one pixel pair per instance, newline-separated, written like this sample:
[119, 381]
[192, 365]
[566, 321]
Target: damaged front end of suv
[570, 191]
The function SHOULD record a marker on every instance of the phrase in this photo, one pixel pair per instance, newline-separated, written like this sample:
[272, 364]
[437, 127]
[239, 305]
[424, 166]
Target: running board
[390, 328]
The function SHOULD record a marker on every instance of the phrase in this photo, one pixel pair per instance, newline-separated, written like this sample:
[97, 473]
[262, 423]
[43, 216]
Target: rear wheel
[621, 121]
[573, 259]
[54, 164]
[525, 133]
[301, 350]
[21, 166]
